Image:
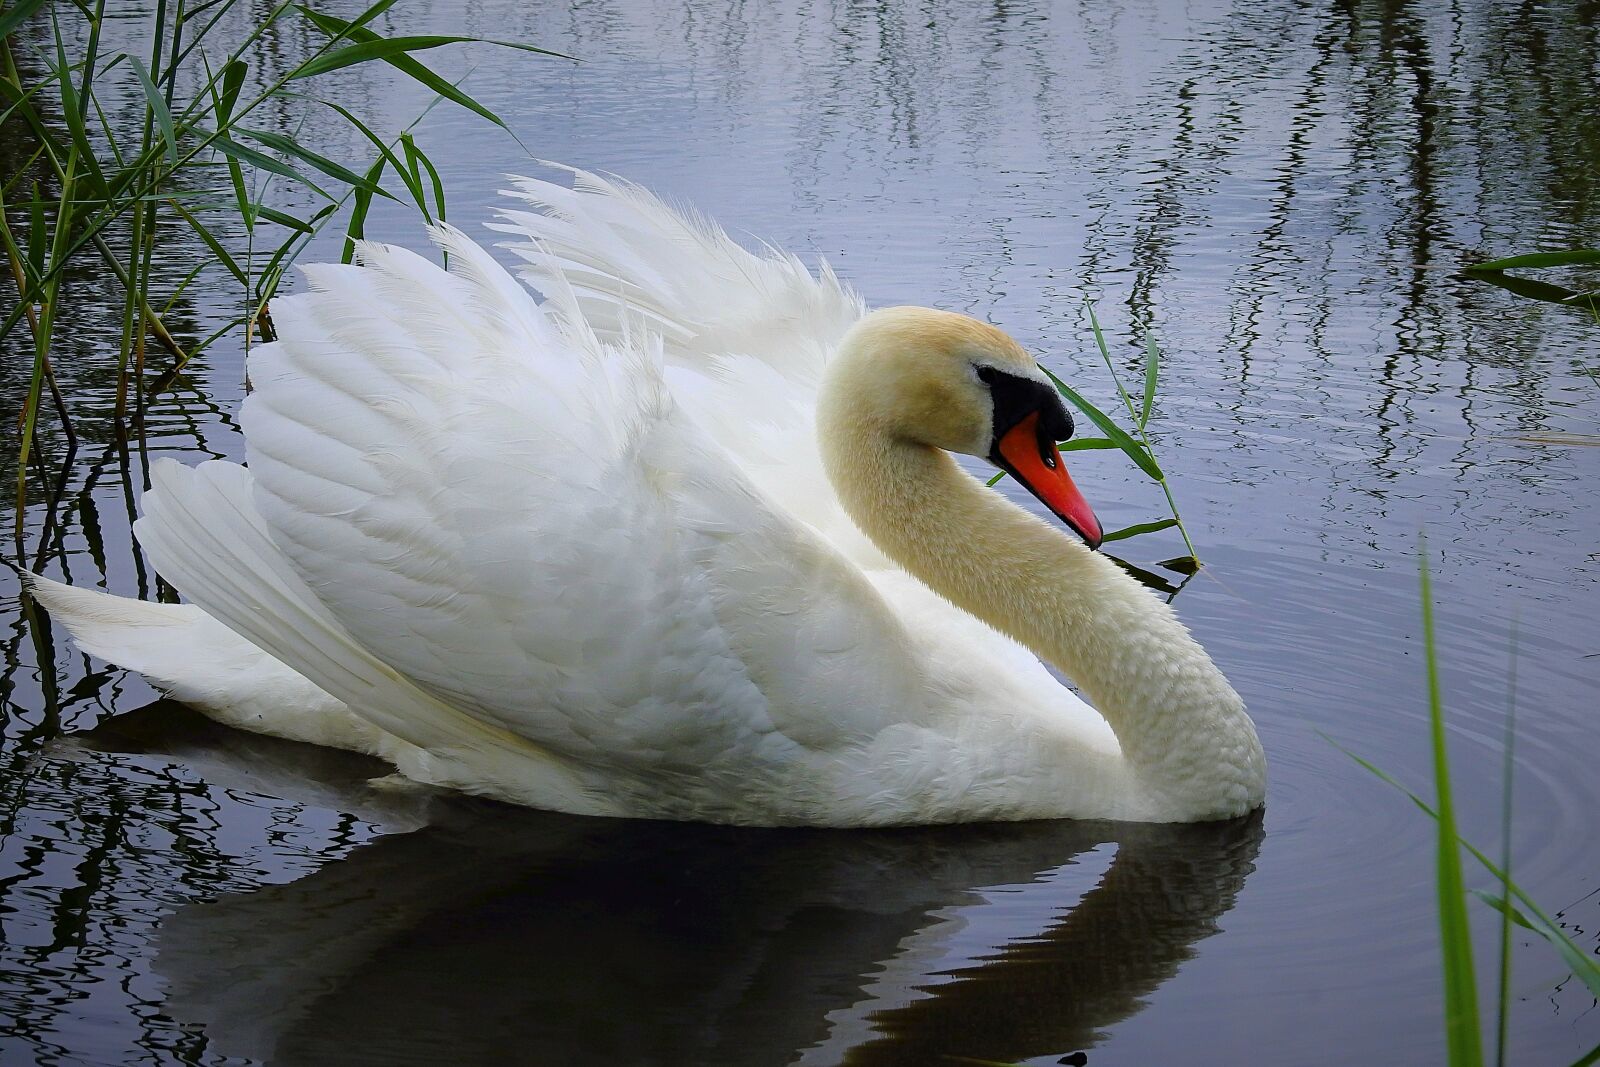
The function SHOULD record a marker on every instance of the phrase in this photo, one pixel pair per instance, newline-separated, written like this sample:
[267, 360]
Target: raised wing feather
[746, 336]
[510, 511]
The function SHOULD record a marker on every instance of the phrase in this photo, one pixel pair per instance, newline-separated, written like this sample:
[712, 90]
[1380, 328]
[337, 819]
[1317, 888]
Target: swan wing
[745, 335]
[512, 513]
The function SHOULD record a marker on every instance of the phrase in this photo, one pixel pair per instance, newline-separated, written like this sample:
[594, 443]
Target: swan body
[684, 540]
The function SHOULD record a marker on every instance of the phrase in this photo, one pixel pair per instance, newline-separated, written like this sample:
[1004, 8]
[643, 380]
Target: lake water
[1283, 191]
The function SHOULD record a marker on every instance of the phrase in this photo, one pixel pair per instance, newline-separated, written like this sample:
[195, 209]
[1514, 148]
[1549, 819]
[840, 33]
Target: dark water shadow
[497, 935]
[1533, 289]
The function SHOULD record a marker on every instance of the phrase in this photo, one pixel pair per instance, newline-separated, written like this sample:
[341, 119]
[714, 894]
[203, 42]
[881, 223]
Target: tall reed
[196, 157]
[1464, 1025]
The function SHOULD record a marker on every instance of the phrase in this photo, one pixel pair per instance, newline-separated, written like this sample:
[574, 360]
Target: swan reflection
[495, 935]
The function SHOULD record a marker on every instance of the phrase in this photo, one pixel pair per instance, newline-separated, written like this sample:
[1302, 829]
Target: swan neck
[1180, 725]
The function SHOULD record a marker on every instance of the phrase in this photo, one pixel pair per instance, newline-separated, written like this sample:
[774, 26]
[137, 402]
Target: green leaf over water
[232, 80]
[244, 154]
[401, 61]
[1574, 957]
[158, 108]
[1135, 451]
[386, 48]
[211, 242]
[10, 20]
[1462, 1031]
[1139, 528]
[290, 147]
[1152, 364]
[1573, 258]
[283, 219]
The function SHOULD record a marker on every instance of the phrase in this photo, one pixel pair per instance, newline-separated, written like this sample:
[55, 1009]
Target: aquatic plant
[1463, 1014]
[95, 183]
[1140, 450]
[1494, 271]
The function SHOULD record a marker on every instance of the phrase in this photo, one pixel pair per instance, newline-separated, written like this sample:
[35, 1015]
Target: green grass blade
[414, 156]
[234, 150]
[1105, 356]
[1573, 258]
[1462, 1029]
[38, 234]
[73, 111]
[182, 286]
[21, 103]
[17, 15]
[1581, 965]
[232, 81]
[16, 314]
[1134, 450]
[366, 51]
[270, 275]
[192, 13]
[14, 252]
[42, 331]
[267, 279]
[91, 55]
[1530, 919]
[1507, 766]
[405, 64]
[1139, 528]
[107, 136]
[290, 147]
[1152, 363]
[357, 228]
[1140, 421]
[370, 13]
[18, 97]
[282, 219]
[388, 48]
[211, 242]
[158, 107]
[241, 195]
[1512, 914]
[222, 107]
[414, 169]
[413, 186]
[261, 25]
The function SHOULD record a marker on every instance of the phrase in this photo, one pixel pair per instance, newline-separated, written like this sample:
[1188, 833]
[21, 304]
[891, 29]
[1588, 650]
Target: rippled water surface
[1283, 192]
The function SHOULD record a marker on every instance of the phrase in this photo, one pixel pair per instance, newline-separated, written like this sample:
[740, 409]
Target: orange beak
[1036, 463]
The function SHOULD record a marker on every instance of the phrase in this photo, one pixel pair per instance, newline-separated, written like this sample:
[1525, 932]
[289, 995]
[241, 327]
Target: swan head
[943, 380]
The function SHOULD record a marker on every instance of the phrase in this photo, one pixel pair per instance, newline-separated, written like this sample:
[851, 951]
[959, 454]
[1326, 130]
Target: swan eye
[1016, 397]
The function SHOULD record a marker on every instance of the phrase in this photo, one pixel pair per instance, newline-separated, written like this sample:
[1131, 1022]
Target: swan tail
[202, 531]
[166, 643]
[195, 659]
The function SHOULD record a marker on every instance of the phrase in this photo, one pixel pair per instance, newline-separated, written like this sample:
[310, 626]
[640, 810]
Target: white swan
[588, 555]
